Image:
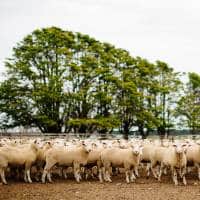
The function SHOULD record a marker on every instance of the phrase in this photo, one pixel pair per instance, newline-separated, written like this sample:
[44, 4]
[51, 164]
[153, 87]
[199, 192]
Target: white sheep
[41, 158]
[193, 156]
[94, 159]
[116, 157]
[175, 158]
[15, 156]
[148, 153]
[64, 157]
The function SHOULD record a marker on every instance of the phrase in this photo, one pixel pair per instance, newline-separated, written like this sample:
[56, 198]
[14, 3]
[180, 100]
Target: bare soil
[142, 189]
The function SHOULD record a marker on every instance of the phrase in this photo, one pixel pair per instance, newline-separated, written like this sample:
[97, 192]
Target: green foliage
[188, 108]
[60, 81]
[194, 81]
[100, 123]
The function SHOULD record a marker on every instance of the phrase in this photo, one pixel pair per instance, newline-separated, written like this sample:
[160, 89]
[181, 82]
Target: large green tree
[35, 80]
[60, 81]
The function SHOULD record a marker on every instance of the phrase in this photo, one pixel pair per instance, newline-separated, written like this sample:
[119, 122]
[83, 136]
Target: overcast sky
[167, 30]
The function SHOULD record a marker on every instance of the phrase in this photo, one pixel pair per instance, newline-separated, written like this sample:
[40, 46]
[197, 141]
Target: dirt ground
[142, 189]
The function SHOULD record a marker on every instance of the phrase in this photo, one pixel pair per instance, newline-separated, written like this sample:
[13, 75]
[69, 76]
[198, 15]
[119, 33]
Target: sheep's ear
[185, 146]
[104, 144]
[83, 143]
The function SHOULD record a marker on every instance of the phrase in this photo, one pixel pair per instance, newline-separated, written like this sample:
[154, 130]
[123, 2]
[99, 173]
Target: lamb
[127, 158]
[175, 158]
[16, 156]
[64, 157]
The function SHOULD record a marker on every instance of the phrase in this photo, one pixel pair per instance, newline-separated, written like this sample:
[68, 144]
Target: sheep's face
[94, 145]
[108, 145]
[74, 142]
[180, 148]
[104, 145]
[38, 144]
[47, 145]
[137, 149]
[87, 148]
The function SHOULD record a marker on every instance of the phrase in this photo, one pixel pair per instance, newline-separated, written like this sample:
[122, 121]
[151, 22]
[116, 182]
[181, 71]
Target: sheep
[148, 152]
[64, 157]
[41, 156]
[151, 154]
[193, 156]
[175, 158]
[94, 159]
[127, 158]
[156, 158]
[16, 156]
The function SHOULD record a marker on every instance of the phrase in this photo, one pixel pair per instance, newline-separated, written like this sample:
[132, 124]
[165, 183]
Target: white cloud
[155, 29]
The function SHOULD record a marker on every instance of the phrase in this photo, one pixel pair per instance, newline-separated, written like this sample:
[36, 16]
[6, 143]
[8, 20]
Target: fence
[91, 135]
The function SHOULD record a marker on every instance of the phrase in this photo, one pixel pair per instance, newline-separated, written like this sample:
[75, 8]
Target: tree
[90, 76]
[188, 109]
[60, 81]
[52, 80]
[146, 84]
[36, 74]
[167, 84]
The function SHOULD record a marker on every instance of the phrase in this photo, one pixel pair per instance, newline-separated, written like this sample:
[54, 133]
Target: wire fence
[92, 135]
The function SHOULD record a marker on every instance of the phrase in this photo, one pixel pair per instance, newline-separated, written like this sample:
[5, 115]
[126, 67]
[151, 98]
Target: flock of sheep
[39, 158]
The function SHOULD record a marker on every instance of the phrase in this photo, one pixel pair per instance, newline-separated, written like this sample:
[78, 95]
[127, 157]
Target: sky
[166, 30]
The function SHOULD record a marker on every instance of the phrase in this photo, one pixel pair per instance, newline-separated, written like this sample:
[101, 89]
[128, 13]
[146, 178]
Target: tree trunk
[125, 130]
[82, 128]
[161, 131]
[142, 132]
